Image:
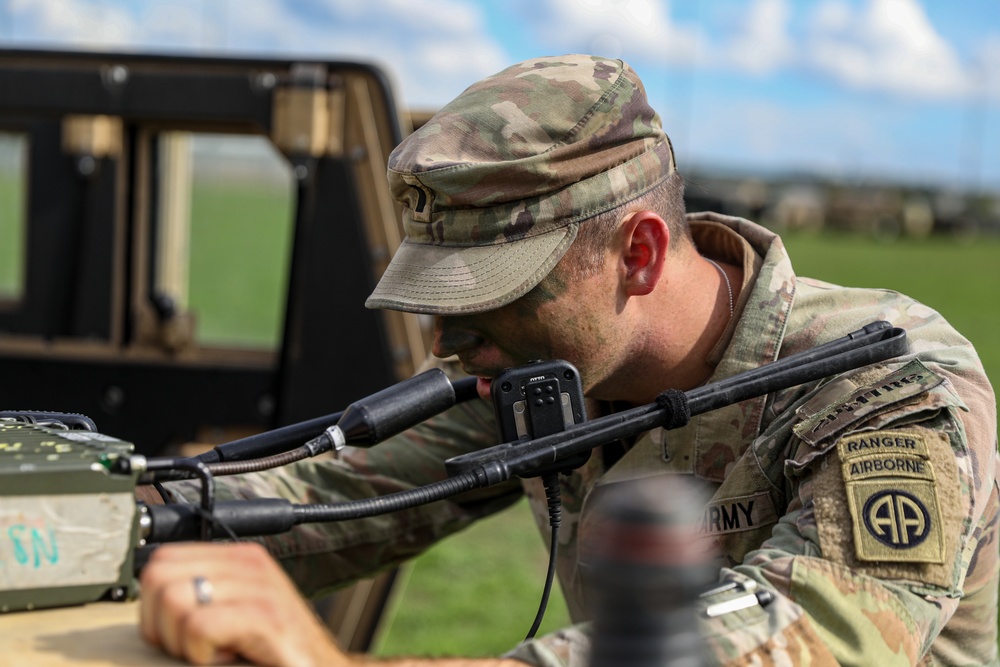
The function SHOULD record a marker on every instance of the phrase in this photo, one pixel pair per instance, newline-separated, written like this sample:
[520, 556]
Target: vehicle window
[13, 183]
[225, 215]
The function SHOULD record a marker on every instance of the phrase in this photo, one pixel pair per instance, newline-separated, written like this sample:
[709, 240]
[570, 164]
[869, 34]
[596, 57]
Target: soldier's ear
[645, 240]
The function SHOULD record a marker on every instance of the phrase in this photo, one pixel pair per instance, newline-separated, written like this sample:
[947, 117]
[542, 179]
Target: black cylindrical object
[374, 418]
[648, 567]
[271, 442]
[240, 518]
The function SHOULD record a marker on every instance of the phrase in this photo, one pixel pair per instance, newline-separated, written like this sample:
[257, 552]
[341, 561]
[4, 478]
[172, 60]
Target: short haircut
[586, 255]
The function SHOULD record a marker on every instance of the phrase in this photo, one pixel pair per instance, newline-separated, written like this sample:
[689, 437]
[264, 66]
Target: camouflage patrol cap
[495, 185]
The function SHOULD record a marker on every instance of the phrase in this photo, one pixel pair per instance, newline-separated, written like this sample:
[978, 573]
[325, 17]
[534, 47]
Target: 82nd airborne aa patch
[892, 497]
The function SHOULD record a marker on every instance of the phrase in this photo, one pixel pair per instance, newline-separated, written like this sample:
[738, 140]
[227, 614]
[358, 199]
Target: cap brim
[448, 280]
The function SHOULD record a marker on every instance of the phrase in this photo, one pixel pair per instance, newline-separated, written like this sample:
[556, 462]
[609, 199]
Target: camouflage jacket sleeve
[322, 556]
[887, 551]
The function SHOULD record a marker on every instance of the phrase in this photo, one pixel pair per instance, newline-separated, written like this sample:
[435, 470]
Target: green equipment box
[68, 517]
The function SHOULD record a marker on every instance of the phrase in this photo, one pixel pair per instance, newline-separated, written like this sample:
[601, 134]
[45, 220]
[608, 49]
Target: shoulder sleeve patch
[909, 381]
[889, 504]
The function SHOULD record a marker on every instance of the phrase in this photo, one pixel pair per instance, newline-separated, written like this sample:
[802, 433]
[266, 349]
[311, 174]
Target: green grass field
[240, 247]
[11, 235]
[958, 277]
[475, 594]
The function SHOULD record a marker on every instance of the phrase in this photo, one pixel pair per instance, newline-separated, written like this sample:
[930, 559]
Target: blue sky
[899, 90]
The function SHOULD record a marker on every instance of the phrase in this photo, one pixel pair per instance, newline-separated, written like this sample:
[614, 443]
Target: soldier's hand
[212, 603]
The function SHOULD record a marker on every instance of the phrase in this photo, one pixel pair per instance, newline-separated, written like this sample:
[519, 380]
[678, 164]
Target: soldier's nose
[451, 338]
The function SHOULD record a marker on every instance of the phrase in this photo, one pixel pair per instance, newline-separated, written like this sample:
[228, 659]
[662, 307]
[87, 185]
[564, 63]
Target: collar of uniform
[721, 436]
[717, 241]
[711, 443]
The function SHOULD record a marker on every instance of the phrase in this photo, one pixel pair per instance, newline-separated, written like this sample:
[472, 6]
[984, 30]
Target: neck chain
[729, 286]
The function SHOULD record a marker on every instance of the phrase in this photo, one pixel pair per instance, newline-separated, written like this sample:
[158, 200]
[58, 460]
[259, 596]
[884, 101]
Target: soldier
[545, 219]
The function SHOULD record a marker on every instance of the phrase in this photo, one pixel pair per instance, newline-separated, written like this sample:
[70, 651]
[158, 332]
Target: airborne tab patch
[880, 466]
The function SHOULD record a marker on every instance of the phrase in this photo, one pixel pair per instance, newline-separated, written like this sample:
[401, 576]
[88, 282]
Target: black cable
[224, 468]
[269, 443]
[315, 447]
[393, 502]
[164, 494]
[58, 420]
[207, 485]
[551, 482]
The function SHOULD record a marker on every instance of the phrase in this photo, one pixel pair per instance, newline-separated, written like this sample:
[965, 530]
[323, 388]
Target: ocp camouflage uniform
[776, 466]
[867, 503]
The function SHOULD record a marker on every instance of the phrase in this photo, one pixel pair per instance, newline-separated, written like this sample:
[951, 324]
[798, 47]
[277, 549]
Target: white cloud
[430, 61]
[889, 46]
[181, 23]
[763, 45]
[642, 28]
[75, 22]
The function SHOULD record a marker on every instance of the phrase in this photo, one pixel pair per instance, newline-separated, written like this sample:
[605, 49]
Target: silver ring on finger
[203, 590]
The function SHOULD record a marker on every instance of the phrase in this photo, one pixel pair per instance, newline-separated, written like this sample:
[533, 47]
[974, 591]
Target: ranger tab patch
[892, 497]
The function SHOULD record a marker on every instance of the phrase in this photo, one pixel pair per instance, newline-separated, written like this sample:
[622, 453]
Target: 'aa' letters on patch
[892, 497]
